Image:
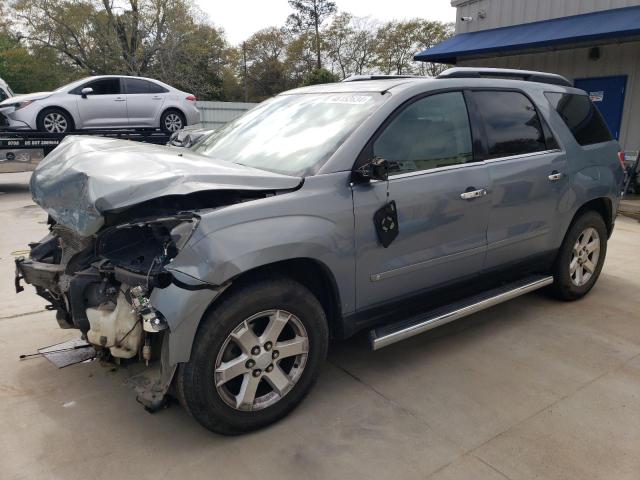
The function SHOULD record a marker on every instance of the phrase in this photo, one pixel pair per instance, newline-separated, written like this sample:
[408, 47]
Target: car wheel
[255, 357]
[581, 257]
[54, 120]
[172, 121]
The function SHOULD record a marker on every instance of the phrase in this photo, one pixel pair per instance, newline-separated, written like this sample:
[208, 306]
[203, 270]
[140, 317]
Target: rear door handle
[119, 99]
[470, 195]
[555, 176]
[156, 98]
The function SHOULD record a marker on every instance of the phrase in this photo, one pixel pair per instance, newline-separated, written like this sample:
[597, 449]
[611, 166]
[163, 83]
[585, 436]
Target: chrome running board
[388, 334]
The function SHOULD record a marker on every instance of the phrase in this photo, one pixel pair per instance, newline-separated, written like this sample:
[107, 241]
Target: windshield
[291, 134]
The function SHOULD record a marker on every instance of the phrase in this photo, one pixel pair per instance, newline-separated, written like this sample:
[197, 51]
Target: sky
[241, 18]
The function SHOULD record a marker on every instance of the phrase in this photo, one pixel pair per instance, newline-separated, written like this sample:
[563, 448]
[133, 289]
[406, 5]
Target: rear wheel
[255, 357]
[54, 120]
[172, 121]
[581, 257]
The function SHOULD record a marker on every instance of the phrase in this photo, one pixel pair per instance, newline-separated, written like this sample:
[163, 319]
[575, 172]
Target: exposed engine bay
[100, 284]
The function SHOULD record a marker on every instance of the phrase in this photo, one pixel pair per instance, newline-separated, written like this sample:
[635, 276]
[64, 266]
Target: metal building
[594, 43]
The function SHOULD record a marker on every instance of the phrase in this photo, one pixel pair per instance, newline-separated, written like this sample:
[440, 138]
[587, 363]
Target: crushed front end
[101, 285]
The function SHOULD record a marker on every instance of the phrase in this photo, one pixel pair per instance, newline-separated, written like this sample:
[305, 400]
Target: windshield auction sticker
[348, 99]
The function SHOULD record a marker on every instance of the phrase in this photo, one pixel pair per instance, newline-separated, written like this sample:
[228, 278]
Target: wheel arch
[177, 109]
[309, 272]
[603, 206]
[57, 107]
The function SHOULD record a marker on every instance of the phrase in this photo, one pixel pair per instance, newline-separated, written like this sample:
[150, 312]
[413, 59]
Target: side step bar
[388, 334]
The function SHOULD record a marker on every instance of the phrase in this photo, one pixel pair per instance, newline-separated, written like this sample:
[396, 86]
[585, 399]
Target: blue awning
[588, 27]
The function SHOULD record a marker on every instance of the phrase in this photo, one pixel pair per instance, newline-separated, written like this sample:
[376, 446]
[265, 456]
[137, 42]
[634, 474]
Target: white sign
[596, 96]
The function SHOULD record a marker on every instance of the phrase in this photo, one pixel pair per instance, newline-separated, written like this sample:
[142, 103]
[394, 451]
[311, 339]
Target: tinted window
[429, 133]
[511, 123]
[155, 88]
[104, 86]
[581, 116]
[137, 85]
[3, 95]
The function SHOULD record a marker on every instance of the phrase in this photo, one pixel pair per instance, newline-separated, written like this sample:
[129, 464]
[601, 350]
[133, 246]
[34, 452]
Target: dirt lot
[530, 389]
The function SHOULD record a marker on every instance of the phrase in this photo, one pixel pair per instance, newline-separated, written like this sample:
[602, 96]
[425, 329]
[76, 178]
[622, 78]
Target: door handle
[156, 98]
[119, 99]
[555, 176]
[470, 195]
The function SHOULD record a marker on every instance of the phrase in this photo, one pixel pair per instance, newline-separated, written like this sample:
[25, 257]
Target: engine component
[117, 328]
[152, 320]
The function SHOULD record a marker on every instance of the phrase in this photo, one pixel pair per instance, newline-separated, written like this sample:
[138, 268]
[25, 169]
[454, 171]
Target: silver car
[103, 102]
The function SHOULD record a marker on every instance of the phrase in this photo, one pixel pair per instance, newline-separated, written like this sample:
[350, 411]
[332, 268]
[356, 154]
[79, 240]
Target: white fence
[216, 114]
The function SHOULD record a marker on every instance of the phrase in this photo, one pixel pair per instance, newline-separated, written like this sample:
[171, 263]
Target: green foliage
[320, 75]
[46, 43]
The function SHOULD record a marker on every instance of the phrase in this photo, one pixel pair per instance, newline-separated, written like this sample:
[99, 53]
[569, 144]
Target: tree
[310, 15]
[320, 75]
[398, 42]
[265, 52]
[350, 44]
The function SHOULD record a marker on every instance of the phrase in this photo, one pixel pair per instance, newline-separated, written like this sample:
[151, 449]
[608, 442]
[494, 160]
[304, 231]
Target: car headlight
[20, 105]
[146, 245]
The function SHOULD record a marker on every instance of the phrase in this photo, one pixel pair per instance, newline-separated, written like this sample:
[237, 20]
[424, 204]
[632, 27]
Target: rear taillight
[192, 98]
[621, 158]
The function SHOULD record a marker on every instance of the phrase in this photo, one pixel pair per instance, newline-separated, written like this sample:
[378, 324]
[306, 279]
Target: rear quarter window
[581, 117]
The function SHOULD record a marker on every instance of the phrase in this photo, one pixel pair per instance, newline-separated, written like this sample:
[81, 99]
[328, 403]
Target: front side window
[430, 133]
[104, 86]
[581, 116]
[511, 123]
[291, 134]
[3, 95]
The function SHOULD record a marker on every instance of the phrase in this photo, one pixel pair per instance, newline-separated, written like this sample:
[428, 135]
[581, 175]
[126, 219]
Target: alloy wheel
[173, 122]
[584, 257]
[261, 360]
[55, 122]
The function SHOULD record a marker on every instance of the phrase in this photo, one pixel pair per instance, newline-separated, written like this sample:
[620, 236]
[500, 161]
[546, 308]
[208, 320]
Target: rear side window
[429, 133]
[581, 116]
[137, 85]
[511, 123]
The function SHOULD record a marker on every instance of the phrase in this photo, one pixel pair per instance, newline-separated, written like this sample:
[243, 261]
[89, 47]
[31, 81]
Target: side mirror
[86, 91]
[376, 169]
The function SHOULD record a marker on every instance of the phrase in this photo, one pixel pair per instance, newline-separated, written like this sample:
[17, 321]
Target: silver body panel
[327, 219]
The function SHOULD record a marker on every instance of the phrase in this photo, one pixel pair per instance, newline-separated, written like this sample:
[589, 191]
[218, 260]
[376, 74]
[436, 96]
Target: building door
[607, 94]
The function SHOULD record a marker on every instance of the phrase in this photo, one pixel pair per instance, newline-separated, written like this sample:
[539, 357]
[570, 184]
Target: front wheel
[54, 120]
[581, 257]
[255, 357]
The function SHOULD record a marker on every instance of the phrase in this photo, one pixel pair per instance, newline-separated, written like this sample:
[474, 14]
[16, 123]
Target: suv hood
[87, 176]
[24, 98]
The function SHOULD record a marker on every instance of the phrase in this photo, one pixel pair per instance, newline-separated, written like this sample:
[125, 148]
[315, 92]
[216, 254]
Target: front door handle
[119, 99]
[555, 176]
[471, 194]
[156, 98]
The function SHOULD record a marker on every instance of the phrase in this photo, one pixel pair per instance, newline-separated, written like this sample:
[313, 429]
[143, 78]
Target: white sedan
[102, 102]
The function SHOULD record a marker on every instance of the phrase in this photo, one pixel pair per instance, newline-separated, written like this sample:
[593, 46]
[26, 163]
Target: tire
[54, 120]
[574, 283]
[172, 120]
[218, 408]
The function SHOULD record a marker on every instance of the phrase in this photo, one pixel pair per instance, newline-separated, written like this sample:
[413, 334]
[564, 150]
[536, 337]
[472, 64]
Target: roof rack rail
[527, 75]
[360, 78]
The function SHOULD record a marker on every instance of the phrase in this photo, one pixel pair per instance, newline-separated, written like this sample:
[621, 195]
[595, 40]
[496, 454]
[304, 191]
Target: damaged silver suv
[391, 205]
